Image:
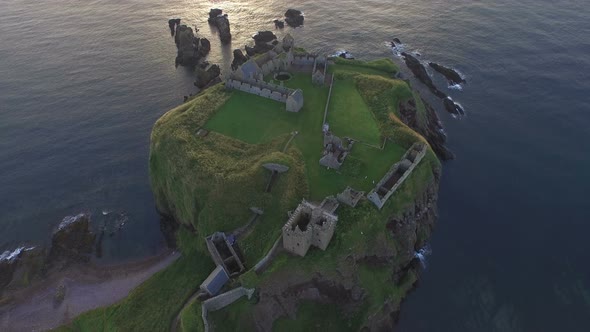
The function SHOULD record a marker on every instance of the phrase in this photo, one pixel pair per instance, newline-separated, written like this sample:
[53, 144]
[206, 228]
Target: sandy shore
[87, 288]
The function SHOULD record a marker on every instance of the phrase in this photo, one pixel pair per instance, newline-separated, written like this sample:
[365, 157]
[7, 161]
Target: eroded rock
[239, 59]
[73, 241]
[294, 18]
[450, 74]
[206, 77]
[220, 20]
[421, 74]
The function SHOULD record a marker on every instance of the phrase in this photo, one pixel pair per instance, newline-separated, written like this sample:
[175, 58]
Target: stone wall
[408, 162]
[304, 60]
[221, 301]
[260, 88]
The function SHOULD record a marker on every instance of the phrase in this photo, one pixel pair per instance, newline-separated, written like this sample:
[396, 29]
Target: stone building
[397, 174]
[334, 152]
[224, 251]
[318, 73]
[215, 281]
[295, 101]
[350, 196]
[310, 225]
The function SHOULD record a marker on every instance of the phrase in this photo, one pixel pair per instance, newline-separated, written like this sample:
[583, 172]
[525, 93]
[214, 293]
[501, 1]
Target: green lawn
[247, 117]
[348, 115]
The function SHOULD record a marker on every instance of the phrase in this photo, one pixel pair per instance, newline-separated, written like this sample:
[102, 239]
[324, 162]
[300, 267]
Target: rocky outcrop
[431, 129]
[421, 74]
[173, 23]
[264, 41]
[73, 241]
[239, 59]
[294, 18]
[452, 107]
[279, 24]
[205, 77]
[190, 48]
[451, 75]
[220, 20]
[19, 267]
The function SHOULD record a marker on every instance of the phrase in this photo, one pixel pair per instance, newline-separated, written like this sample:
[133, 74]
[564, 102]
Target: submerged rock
[294, 18]
[396, 41]
[220, 20]
[453, 107]
[451, 75]
[279, 24]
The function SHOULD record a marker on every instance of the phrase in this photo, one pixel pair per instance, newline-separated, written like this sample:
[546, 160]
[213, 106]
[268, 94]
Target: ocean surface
[82, 83]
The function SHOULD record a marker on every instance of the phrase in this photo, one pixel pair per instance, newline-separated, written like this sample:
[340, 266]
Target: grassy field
[349, 116]
[247, 118]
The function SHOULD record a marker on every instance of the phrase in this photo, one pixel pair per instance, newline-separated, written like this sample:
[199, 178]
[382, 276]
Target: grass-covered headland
[207, 184]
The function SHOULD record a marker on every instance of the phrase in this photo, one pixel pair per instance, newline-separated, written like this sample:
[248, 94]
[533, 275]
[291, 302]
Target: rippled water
[82, 82]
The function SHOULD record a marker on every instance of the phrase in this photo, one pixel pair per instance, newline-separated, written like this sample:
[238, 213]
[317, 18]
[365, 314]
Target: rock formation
[73, 240]
[207, 76]
[453, 107]
[420, 72]
[220, 20]
[432, 129]
[264, 41]
[239, 59]
[294, 18]
[173, 23]
[190, 48]
[451, 75]
[279, 24]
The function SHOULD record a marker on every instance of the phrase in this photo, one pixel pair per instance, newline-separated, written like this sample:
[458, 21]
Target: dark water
[82, 82]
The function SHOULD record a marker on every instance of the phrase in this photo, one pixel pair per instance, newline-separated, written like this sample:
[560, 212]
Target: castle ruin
[310, 225]
[249, 77]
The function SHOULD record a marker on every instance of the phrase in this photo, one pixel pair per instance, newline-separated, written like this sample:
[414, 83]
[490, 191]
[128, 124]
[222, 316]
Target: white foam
[12, 255]
[422, 254]
[69, 220]
[456, 87]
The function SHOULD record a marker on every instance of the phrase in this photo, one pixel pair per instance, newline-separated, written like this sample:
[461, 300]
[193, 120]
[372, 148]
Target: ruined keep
[397, 174]
[310, 225]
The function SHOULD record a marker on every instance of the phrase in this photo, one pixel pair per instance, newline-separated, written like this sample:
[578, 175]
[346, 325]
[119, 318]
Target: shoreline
[86, 288]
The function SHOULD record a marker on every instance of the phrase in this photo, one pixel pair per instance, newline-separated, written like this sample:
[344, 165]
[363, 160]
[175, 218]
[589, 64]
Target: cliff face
[429, 126]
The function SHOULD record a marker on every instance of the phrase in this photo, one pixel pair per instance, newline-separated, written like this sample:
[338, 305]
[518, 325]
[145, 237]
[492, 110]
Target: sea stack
[220, 20]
